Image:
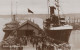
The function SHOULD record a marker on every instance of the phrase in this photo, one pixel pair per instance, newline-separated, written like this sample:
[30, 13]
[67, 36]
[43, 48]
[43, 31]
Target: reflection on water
[74, 38]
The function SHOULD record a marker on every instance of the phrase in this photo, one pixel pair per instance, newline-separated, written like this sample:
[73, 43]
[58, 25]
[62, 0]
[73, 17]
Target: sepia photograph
[39, 24]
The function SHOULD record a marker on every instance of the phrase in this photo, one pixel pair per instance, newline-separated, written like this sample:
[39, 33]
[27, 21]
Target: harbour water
[74, 37]
[75, 40]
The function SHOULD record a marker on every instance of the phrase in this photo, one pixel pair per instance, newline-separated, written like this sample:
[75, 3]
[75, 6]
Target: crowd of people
[41, 43]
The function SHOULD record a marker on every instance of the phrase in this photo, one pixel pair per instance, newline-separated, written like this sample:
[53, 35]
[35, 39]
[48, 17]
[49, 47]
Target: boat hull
[59, 35]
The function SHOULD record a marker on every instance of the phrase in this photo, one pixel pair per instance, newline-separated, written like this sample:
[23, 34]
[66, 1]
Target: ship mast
[57, 5]
[12, 11]
[58, 8]
[16, 7]
[13, 16]
[48, 7]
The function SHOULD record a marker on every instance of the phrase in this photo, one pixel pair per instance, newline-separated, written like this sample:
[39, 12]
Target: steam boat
[56, 27]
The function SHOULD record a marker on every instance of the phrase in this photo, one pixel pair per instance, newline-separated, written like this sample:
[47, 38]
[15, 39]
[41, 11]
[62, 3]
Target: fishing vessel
[56, 27]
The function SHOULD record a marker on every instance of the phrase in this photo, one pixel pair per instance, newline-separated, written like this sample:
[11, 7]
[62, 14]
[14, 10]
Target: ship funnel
[52, 8]
[13, 17]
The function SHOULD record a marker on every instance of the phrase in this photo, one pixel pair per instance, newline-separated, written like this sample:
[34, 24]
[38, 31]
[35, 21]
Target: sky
[37, 6]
